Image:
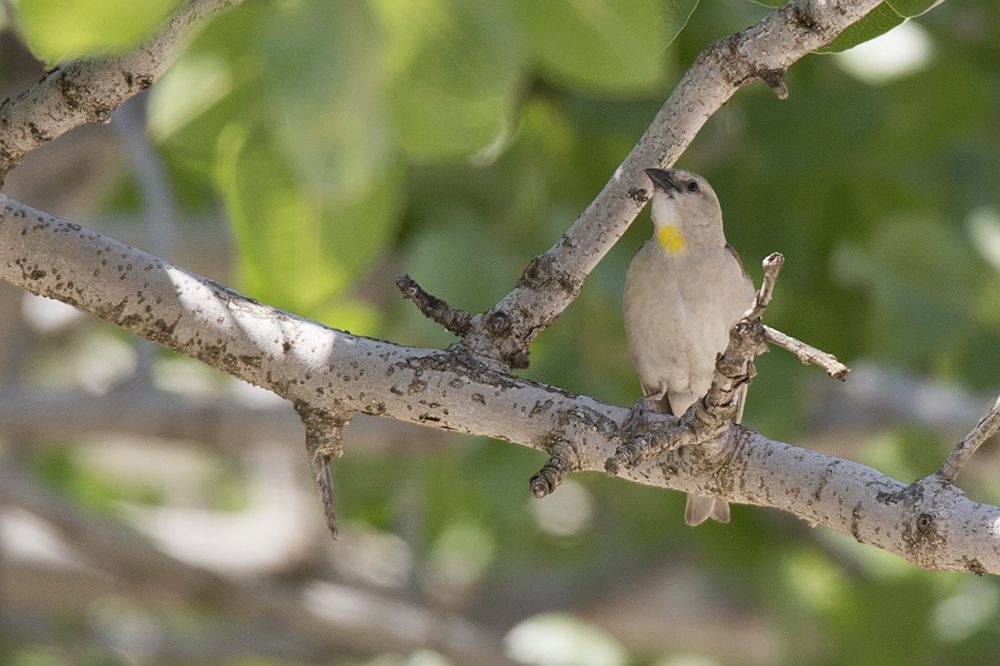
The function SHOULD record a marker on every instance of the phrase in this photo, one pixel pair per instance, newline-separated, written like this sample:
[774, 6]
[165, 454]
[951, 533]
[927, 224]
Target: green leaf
[603, 46]
[877, 22]
[329, 94]
[918, 273]
[298, 248]
[911, 8]
[216, 80]
[57, 30]
[456, 67]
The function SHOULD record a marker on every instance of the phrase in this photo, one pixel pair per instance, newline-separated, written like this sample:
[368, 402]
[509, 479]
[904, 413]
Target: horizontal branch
[87, 91]
[552, 280]
[929, 522]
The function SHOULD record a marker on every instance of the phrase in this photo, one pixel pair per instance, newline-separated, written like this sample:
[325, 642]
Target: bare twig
[452, 319]
[324, 441]
[771, 264]
[87, 91]
[966, 448]
[808, 354]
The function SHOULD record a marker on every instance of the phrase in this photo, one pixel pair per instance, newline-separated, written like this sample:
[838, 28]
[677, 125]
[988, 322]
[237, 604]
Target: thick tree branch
[87, 91]
[929, 522]
[552, 280]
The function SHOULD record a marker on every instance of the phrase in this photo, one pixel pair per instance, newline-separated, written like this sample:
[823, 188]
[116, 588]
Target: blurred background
[153, 511]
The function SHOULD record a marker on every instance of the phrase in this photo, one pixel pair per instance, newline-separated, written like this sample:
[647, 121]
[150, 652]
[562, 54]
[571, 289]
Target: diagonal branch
[553, 279]
[967, 447]
[807, 353]
[87, 91]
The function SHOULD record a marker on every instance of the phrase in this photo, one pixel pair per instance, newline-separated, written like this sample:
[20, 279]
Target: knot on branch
[542, 273]
[775, 80]
[324, 441]
[929, 502]
[639, 448]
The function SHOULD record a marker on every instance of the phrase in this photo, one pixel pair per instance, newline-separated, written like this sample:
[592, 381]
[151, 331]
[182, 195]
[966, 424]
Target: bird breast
[678, 310]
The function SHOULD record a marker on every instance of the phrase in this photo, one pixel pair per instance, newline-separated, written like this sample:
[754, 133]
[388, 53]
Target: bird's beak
[663, 179]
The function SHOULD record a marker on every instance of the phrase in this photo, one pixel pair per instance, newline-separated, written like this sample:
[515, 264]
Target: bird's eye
[692, 186]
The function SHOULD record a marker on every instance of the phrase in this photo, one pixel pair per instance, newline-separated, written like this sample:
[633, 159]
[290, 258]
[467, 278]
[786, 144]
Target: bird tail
[699, 509]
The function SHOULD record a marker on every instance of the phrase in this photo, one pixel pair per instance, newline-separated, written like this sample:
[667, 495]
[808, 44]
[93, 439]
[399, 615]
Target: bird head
[685, 210]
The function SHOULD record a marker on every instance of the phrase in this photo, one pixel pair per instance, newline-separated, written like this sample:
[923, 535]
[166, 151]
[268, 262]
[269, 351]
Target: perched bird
[684, 291]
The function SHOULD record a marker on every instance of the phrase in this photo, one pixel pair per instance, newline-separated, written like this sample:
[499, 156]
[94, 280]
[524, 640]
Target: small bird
[684, 291]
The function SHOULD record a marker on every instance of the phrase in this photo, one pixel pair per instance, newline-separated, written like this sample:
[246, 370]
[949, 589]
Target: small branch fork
[708, 419]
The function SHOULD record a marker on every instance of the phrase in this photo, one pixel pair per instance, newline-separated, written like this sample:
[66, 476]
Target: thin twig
[452, 319]
[324, 442]
[772, 267]
[964, 450]
[563, 459]
[808, 354]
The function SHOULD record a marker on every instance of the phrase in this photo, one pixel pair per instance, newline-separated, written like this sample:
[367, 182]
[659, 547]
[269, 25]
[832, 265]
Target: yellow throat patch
[670, 239]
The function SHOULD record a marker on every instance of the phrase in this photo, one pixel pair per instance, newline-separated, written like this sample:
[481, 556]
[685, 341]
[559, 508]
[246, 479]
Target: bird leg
[637, 421]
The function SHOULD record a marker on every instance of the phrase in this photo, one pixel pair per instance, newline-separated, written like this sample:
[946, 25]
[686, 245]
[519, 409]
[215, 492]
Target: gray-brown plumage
[685, 289]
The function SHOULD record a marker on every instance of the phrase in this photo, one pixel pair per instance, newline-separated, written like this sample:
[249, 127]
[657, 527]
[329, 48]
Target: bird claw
[636, 446]
[628, 455]
[637, 421]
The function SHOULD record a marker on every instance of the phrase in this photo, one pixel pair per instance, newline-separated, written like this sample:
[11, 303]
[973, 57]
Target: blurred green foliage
[457, 139]
[58, 30]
